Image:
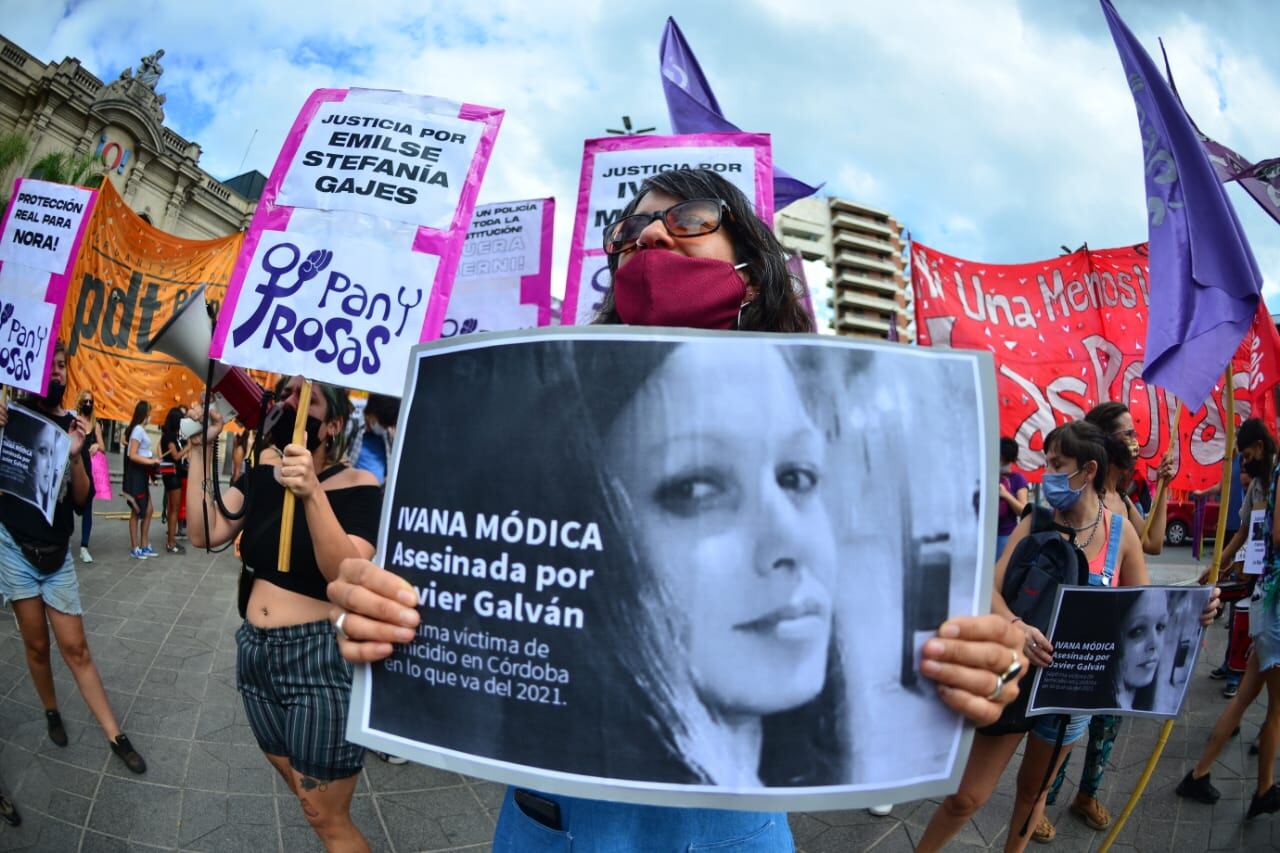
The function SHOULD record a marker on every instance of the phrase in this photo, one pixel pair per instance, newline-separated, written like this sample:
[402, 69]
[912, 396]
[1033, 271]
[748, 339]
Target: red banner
[1068, 333]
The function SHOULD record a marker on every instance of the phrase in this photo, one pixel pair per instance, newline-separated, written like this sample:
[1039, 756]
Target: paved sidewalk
[161, 632]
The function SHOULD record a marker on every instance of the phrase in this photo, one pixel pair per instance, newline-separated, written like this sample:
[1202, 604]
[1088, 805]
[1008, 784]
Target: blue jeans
[20, 580]
[599, 826]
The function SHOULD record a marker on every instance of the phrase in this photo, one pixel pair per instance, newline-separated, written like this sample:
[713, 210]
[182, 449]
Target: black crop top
[356, 507]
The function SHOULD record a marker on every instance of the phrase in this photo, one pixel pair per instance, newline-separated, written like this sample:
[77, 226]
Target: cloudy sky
[997, 130]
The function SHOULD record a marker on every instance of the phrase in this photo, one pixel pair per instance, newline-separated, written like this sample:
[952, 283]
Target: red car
[1179, 517]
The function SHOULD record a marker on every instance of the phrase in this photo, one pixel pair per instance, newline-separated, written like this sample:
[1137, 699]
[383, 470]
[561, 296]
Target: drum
[1236, 590]
[1239, 641]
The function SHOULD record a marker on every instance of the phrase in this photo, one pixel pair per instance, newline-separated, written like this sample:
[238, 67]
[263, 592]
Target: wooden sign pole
[290, 503]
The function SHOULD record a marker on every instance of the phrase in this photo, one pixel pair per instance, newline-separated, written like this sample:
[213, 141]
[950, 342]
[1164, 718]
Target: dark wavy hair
[1106, 417]
[1112, 611]
[1008, 450]
[1083, 442]
[1251, 432]
[778, 307]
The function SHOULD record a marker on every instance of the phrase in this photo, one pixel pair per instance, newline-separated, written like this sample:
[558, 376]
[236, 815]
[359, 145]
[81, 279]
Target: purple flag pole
[1205, 284]
[694, 109]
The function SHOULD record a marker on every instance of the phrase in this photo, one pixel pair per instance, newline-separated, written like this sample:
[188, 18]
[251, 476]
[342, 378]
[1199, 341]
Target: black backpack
[1038, 566]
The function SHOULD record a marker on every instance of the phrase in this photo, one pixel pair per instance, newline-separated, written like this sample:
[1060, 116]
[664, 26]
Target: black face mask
[281, 432]
[53, 397]
[1255, 468]
[87, 408]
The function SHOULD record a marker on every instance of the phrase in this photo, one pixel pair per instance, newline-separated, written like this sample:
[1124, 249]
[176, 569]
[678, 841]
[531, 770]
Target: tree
[63, 167]
[13, 148]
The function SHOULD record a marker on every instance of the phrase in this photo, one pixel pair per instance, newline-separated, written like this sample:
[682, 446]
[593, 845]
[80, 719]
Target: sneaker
[1268, 803]
[137, 554]
[1220, 673]
[176, 549]
[85, 556]
[1200, 789]
[881, 811]
[391, 759]
[150, 552]
[57, 732]
[1044, 831]
[122, 748]
[1091, 811]
[1230, 691]
[9, 812]
[182, 531]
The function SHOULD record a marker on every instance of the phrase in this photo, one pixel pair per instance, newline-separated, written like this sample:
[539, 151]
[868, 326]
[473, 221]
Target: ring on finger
[337, 625]
[1005, 677]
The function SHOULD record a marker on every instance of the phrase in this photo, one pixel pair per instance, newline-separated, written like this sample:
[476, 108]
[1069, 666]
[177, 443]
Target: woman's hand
[1165, 471]
[77, 429]
[1036, 645]
[966, 660]
[379, 607]
[4, 413]
[1210, 611]
[298, 471]
[196, 413]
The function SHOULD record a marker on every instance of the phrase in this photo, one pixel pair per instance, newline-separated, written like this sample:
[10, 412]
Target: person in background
[1262, 672]
[93, 440]
[1256, 459]
[140, 464]
[240, 448]
[1013, 493]
[1121, 444]
[38, 578]
[295, 687]
[173, 451]
[378, 436]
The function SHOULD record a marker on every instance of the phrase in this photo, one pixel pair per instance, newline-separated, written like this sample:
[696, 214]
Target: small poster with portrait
[1255, 549]
[33, 459]
[686, 568]
[1127, 652]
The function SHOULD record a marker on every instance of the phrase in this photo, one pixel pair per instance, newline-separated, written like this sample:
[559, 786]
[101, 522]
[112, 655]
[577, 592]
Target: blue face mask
[1058, 492]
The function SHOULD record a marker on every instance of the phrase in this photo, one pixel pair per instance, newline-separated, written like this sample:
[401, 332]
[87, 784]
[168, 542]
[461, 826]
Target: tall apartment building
[865, 291]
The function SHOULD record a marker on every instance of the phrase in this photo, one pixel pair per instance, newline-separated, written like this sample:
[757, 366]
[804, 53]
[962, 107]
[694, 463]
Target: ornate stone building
[64, 107]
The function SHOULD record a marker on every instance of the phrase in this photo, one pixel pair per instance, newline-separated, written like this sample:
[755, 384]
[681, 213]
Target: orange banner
[128, 281]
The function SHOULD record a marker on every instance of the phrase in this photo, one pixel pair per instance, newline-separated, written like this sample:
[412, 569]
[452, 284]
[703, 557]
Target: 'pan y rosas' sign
[352, 252]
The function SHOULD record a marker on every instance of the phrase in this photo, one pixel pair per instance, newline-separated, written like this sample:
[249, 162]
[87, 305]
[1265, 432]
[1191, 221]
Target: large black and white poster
[681, 567]
[33, 456]
[1121, 651]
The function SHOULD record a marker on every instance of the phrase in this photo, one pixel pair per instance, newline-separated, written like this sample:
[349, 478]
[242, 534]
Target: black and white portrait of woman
[761, 505]
[1124, 651]
[33, 459]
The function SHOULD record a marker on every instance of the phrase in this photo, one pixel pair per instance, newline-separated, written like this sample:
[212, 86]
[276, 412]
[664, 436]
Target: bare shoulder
[350, 478]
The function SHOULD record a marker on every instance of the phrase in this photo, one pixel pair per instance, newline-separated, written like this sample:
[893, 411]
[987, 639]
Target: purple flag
[795, 266]
[1205, 284]
[694, 109]
[1261, 180]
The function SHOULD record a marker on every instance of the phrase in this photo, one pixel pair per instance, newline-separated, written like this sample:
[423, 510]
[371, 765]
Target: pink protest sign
[613, 170]
[504, 277]
[351, 255]
[40, 237]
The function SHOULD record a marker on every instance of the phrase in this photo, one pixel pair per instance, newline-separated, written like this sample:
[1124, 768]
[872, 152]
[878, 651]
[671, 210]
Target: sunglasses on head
[696, 217]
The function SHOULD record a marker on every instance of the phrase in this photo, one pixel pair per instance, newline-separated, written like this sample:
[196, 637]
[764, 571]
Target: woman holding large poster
[688, 251]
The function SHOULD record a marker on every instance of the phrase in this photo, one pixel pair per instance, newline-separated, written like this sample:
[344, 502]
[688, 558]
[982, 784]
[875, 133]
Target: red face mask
[663, 288]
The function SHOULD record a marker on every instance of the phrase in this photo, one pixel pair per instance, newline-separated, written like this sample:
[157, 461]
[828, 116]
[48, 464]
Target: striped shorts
[295, 688]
